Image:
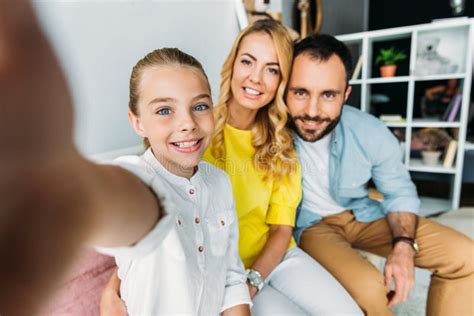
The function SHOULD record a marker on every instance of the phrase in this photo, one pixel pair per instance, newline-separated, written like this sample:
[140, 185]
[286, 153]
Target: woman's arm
[273, 252]
[110, 302]
[238, 310]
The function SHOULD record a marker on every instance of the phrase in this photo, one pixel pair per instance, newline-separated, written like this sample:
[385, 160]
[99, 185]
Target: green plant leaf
[390, 56]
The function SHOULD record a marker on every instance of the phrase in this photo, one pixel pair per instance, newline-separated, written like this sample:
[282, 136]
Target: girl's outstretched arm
[52, 200]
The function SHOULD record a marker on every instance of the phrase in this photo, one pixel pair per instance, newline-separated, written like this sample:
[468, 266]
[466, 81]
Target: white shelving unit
[448, 30]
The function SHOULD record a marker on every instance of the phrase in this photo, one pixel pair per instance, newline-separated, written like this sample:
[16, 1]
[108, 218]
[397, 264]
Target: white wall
[98, 42]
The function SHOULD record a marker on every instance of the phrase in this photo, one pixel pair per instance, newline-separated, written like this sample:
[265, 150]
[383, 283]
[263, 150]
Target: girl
[193, 249]
[251, 142]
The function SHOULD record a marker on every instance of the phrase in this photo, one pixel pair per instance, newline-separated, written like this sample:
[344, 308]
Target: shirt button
[197, 220]
[179, 222]
[200, 248]
[222, 223]
[191, 191]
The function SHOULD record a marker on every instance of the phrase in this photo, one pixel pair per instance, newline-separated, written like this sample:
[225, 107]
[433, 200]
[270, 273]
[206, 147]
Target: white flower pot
[430, 158]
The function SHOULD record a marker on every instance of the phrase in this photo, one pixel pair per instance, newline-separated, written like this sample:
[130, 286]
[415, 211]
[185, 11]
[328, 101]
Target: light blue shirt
[362, 148]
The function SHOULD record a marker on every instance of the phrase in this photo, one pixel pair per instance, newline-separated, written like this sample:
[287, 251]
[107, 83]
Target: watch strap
[405, 239]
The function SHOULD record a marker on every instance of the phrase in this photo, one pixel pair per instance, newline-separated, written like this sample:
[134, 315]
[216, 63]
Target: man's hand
[400, 266]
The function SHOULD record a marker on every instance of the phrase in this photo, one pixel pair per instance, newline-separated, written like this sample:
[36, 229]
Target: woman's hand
[110, 302]
[273, 252]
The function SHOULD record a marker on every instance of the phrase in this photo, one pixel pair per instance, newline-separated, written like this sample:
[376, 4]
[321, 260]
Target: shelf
[430, 123]
[395, 124]
[388, 79]
[356, 81]
[417, 165]
[468, 146]
[401, 95]
[389, 35]
[431, 206]
[415, 78]
[440, 77]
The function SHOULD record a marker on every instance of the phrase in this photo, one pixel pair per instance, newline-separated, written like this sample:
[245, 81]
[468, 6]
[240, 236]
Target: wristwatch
[254, 278]
[409, 240]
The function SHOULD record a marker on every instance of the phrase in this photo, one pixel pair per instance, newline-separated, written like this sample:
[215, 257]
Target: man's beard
[314, 135]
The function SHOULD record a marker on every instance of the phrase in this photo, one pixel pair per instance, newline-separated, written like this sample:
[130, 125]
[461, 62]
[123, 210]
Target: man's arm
[400, 263]
[400, 204]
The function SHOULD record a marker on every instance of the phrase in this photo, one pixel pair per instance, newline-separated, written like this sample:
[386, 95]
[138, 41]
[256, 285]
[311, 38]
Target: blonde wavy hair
[273, 143]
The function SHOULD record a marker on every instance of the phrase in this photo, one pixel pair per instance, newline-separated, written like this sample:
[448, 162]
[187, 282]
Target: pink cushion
[81, 292]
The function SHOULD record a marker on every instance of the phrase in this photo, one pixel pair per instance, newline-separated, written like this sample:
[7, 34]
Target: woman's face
[175, 114]
[256, 73]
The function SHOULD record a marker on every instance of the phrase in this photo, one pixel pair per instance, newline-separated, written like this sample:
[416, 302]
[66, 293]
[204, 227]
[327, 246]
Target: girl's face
[256, 72]
[175, 114]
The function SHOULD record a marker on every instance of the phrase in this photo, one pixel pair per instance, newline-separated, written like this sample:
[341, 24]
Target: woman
[252, 144]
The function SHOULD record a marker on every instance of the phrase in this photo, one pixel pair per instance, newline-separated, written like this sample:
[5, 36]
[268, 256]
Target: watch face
[254, 278]
[415, 246]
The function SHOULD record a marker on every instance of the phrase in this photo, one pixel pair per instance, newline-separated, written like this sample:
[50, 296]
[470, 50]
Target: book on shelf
[452, 111]
[392, 118]
[375, 195]
[450, 154]
[357, 68]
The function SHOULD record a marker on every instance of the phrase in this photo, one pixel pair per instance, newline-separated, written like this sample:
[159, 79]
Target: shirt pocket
[354, 184]
[219, 225]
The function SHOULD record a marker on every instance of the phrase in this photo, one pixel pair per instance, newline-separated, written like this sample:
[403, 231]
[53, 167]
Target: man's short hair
[322, 47]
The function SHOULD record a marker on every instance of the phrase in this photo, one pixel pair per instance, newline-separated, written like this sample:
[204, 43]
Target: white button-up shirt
[189, 262]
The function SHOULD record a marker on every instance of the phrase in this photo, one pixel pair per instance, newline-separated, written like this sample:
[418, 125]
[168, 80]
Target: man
[341, 149]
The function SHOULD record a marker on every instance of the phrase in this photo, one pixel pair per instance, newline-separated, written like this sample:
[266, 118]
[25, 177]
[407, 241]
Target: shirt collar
[150, 158]
[337, 139]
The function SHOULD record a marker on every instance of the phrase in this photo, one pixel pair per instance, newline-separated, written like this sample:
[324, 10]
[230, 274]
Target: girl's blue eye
[163, 112]
[201, 107]
[246, 62]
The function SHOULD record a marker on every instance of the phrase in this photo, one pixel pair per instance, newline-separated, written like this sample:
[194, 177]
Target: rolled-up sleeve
[392, 178]
[159, 232]
[236, 290]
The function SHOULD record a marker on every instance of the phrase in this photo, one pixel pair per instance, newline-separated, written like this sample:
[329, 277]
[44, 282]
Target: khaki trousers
[448, 254]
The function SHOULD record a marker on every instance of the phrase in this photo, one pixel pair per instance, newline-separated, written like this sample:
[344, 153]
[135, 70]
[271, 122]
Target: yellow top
[258, 203]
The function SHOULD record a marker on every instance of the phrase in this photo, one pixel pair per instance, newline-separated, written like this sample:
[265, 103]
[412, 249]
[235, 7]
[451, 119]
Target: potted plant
[432, 141]
[389, 58]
